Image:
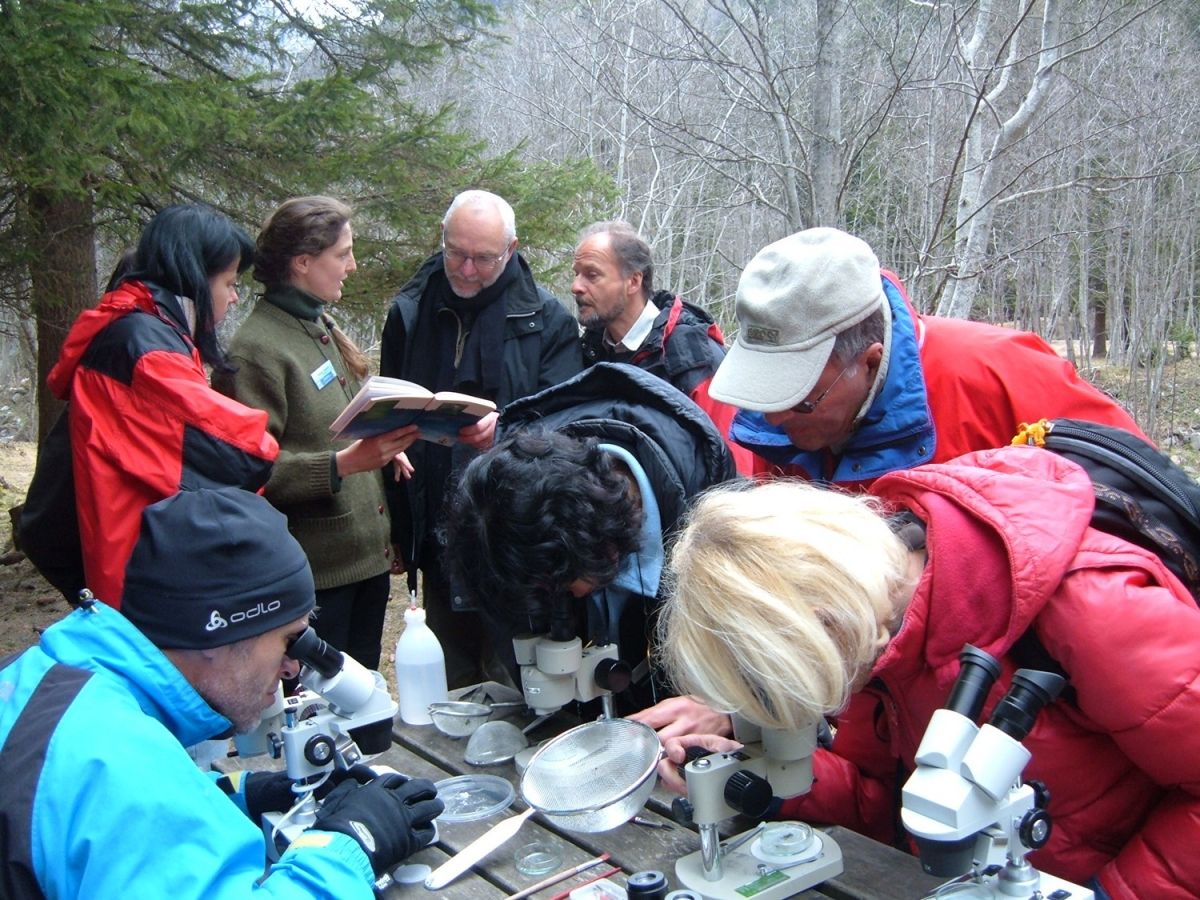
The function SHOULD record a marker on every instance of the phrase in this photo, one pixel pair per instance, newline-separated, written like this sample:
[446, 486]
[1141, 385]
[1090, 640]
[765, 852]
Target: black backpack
[1141, 496]
[49, 529]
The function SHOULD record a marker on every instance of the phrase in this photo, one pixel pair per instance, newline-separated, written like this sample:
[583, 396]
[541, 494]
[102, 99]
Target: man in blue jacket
[100, 797]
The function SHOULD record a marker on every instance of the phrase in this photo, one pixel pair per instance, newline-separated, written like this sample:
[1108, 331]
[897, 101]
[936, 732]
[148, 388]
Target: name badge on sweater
[323, 374]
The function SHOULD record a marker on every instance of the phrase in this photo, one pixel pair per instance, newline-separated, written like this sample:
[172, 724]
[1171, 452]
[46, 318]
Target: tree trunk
[62, 272]
[827, 117]
[1100, 332]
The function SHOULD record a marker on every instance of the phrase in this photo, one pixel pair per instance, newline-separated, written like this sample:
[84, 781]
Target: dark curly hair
[532, 515]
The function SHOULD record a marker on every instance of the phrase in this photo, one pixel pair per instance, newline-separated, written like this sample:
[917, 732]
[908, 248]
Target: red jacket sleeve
[855, 782]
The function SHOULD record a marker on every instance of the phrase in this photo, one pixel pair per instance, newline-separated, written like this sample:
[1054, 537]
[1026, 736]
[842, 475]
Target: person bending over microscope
[100, 797]
[567, 517]
[792, 602]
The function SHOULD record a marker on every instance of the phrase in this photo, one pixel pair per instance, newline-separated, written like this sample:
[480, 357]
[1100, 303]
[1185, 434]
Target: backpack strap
[907, 526]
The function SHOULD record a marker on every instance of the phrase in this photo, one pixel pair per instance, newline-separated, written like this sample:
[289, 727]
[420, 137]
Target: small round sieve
[595, 776]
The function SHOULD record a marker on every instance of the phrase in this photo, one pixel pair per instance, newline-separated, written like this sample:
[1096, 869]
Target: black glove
[266, 792]
[391, 817]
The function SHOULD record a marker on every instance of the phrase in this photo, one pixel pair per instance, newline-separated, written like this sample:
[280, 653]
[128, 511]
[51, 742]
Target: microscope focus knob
[319, 750]
[1041, 794]
[748, 793]
[1035, 829]
[682, 811]
[613, 675]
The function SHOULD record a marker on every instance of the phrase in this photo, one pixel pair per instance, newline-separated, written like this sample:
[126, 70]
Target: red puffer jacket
[1010, 548]
[145, 424]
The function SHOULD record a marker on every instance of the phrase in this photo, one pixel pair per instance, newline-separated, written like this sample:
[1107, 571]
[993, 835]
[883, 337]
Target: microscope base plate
[741, 879]
[991, 888]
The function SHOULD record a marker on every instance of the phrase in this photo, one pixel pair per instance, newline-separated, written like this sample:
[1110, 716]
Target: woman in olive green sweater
[293, 362]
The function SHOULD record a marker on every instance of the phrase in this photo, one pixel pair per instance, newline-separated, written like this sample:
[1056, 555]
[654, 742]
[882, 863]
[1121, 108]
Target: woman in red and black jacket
[142, 419]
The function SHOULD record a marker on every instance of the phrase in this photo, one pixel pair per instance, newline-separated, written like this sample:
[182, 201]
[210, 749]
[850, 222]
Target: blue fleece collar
[639, 572]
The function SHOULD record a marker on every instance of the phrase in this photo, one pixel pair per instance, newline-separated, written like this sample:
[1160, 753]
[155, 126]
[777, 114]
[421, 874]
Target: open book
[384, 404]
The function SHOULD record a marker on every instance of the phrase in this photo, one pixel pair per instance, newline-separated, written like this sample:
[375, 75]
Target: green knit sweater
[341, 523]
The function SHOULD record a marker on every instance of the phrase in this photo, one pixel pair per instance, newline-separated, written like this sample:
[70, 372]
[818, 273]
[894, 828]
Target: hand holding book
[385, 404]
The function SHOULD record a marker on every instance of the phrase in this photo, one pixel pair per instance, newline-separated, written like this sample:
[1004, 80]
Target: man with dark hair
[471, 320]
[579, 500]
[626, 320]
[100, 797]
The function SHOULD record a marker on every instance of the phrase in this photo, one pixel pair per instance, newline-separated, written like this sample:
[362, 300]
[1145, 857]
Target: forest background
[1029, 162]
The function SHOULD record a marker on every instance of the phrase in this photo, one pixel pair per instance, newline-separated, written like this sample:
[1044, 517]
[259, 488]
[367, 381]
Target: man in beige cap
[840, 380]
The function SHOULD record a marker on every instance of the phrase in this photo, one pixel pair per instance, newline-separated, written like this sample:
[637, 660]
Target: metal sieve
[595, 776]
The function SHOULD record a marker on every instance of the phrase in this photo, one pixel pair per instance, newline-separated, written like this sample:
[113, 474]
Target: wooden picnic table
[873, 871]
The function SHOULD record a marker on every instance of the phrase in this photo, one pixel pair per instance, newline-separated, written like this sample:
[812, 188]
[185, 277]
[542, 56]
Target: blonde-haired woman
[295, 363]
[791, 602]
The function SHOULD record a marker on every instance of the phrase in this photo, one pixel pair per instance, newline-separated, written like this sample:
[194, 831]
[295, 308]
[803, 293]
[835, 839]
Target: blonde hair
[783, 596]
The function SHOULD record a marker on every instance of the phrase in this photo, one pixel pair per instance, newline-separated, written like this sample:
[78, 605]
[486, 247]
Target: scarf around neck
[477, 323]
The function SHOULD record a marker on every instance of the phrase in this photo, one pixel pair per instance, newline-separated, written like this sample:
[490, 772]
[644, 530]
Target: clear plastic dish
[469, 798]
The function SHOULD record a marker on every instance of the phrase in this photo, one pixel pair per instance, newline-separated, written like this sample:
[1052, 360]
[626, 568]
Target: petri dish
[469, 798]
[537, 859]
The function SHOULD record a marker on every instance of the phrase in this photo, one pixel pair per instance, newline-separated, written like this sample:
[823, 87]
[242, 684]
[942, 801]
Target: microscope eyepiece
[562, 619]
[308, 649]
[1030, 691]
[976, 677]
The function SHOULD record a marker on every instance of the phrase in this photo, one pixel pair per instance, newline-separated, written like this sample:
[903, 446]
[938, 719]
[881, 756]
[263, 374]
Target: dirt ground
[28, 604]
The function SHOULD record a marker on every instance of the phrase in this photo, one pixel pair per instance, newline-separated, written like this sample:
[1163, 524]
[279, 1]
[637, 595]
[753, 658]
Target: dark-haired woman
[293, 362]
[143, 420]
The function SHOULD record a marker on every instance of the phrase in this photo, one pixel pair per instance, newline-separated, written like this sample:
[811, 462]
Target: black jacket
[684, 347]
[674, 441]
[541, 348]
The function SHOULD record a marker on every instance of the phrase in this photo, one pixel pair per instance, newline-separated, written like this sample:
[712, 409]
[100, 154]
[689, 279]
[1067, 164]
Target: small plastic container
[599, 890]
[537, 858]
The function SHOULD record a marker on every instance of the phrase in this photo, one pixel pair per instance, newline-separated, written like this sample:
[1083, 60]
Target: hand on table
[391, 817]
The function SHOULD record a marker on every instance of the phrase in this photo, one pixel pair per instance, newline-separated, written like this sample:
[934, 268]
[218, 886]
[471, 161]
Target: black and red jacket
[144, 424]
[683, 348]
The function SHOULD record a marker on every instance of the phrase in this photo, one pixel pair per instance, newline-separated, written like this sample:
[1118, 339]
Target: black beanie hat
[212, 567]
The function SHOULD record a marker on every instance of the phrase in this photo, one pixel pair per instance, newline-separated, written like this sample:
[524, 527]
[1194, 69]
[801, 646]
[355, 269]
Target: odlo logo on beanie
[216, 620]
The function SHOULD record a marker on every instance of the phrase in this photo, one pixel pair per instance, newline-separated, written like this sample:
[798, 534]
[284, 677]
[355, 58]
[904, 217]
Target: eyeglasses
[457, 258]
[804, 407]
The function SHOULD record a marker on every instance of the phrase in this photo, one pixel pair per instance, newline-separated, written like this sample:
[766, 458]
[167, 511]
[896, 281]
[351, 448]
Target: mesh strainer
[595, 776]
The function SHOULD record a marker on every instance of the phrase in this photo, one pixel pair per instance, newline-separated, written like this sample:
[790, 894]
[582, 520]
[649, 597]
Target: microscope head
[556, 672]
[967, 780]
[556, 668]
[342, 680]
[771, 764]
[340, 696]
